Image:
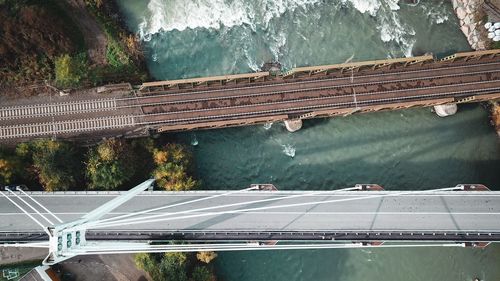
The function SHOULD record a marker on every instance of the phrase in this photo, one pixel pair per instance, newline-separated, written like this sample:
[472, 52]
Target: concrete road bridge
[252, 219]
[237, 100]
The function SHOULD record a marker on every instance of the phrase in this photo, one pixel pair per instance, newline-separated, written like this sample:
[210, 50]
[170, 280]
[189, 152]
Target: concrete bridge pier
[293, 125]
[444, 110]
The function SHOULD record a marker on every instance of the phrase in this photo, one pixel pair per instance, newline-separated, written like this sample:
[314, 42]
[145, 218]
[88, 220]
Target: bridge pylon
[66, 239]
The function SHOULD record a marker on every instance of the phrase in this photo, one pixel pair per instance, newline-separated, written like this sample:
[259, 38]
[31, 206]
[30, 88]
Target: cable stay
[145, 248]
[169, 206]
[93, 224]
[24, 211]
[38, 203]
[29, 205]
[157, 218]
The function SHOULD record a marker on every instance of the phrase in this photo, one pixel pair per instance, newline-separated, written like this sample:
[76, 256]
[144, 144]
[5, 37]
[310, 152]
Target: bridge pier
[293, 125]
[444, 110]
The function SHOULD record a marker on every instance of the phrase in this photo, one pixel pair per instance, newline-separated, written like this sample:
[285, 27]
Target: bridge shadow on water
[329, 264]
[410, 149]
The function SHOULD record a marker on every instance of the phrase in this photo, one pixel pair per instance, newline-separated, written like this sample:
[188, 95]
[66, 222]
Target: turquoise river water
[401, 150]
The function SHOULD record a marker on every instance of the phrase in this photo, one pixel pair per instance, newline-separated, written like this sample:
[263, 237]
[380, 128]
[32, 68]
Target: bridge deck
[345, 213]
[311, 92]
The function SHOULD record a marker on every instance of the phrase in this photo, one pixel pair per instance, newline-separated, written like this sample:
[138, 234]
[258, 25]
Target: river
[400, 150]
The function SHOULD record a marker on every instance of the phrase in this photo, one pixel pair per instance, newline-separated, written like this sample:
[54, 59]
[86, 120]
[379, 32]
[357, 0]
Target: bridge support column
[293, 125]
[445, 109]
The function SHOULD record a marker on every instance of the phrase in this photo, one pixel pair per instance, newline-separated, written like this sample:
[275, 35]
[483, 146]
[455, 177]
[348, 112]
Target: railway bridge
[242, 99]
[256, 218]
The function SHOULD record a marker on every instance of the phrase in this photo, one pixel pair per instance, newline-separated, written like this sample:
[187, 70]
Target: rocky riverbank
[470, 15]
[495, 115]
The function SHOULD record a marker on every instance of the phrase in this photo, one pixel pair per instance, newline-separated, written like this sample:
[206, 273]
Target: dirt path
[94, 37]
[103, 267]
[14, 255]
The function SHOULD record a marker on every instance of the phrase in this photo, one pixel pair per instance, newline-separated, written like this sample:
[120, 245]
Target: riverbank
[70, 44]
[471, 17]
[495, 115]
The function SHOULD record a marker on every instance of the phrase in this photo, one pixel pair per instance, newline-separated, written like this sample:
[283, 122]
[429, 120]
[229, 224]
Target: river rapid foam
[170, 15]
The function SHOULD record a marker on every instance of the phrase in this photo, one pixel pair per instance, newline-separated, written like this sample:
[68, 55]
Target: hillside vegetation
[34, 34]
[43, 41]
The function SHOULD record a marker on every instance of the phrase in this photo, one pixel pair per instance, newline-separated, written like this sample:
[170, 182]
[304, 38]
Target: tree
[109, 164]
[202, 273]
[172, 164]
[55, 163]
[173, 267]
[10, 168]
[206, 257]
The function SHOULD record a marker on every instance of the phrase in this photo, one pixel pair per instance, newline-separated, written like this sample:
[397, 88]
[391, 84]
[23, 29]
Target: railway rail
[58, 108]
[269, 99]
[88, 106]
[64, 127]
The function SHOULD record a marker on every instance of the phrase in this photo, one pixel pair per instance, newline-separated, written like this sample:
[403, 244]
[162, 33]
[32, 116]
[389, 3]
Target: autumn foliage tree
[54, 162]
[174, 266]
[172, 167]
[205, 256]
[109, 164]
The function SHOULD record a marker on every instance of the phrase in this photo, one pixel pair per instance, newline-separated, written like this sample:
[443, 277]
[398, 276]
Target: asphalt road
[455, 211]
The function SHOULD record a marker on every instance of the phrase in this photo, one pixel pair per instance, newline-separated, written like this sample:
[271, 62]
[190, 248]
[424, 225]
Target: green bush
[10, 167]
[202, 273]
[70, 71]
[170, 266]
[115, 55]
[109, 165]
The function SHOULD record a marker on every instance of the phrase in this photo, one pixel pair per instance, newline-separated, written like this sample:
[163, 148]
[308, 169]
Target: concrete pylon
[293, 125]
[444, 110]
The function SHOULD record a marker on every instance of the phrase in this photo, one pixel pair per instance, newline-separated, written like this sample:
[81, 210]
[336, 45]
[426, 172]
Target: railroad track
[96, 105]
[247, 100]
[157, 119]
[66, 127]
[278, 98]
[58, 108]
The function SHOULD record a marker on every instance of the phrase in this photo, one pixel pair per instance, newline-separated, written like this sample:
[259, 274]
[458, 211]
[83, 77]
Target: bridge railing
[192, 82]
[356, 66]
[465, 56]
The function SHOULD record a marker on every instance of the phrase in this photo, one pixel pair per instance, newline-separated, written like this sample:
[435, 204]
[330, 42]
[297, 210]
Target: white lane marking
[290, 213]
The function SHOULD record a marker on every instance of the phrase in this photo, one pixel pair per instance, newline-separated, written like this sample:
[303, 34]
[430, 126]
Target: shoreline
[471, 18]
